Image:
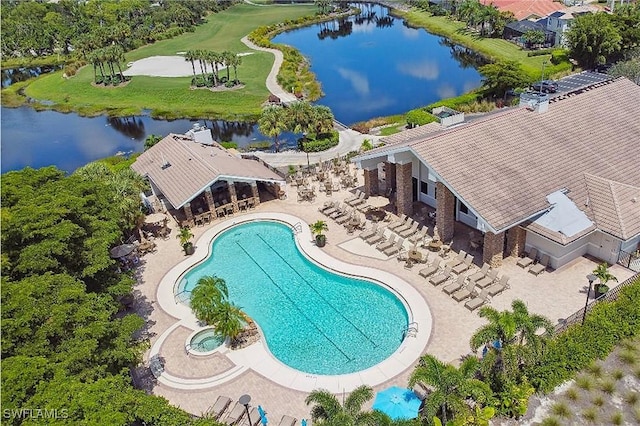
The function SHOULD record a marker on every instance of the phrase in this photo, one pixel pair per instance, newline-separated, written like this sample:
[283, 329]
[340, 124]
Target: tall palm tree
[211, 57]
[452, 387]
[272, 123]
[228, 59]
[235, 63]
[228, 319]
[190, 56]
[322, 119]
[327, 410]
[208, 293]
[299, 116]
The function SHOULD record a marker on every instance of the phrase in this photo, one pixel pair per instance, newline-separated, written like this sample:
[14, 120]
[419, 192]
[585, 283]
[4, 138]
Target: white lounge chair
[455, 286]
[499, 287]
[464, 293]
[219, 406]
[478, 300]
[431, 269]
[287, 421]
[539, 268]
[528, 259]
[481, 273]
[442, 277]
[235, 414]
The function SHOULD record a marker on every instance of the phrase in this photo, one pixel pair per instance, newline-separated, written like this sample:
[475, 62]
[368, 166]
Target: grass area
[171, 97]
[492, 48]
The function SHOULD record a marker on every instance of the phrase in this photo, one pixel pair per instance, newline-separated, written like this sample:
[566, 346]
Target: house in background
[514, 31]
[525, 9]
[559, 175]
[560, 21]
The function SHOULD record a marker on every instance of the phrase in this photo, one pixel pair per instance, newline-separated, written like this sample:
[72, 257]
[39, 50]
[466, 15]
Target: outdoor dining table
[434, 245]
[415, 255]
[376, 215]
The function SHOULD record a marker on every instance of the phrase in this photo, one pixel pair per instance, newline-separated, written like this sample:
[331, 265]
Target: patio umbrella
[263, 417]
[155, 218]
[398, 403]
[121, 251]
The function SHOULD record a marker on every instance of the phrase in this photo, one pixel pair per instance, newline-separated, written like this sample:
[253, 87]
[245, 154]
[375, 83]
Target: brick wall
[493, 247]
[371, 181]
[516, 238]
[445, 211]
[404, 198]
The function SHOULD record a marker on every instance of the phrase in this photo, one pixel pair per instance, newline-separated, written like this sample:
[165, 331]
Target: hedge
[567, 353]
[325, 141]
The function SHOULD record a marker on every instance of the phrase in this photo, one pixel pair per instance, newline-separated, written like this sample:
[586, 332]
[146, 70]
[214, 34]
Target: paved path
[272, 82]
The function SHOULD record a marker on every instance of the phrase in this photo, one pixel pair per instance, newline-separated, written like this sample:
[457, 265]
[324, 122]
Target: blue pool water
[205, 341]
[313, 320]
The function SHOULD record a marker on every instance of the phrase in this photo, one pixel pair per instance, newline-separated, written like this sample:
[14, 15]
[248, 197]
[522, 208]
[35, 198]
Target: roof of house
[524, 26]
[574, 11]
[615, 206]
[182, 168]
[505, 165]
[523, 9]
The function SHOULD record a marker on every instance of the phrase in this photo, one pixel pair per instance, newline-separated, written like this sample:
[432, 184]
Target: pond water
[373, 65]
[14, 75]
[68, 141]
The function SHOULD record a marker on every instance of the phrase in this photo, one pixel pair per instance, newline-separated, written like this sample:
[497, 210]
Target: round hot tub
[204, 342]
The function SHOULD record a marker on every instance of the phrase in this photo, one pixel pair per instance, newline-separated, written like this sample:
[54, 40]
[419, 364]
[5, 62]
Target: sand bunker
[165, 66]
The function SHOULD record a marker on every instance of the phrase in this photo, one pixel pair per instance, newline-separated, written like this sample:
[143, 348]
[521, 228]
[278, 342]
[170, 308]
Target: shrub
[229, 145]
[551, 421]
[631, 397]
[618, 374]
[573, 394]
[561, 409]
[540, 52]
[598, 401]
[559, 56]
[590, 415]
[595, 368]
[585, 382]
[607, 386]
[628, 357]
[617, 418]
[323, 142]
[419, 117]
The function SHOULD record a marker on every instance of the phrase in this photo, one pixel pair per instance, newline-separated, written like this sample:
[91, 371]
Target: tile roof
[505, 165]
[615, 206]
[193, 167]
[523, 9]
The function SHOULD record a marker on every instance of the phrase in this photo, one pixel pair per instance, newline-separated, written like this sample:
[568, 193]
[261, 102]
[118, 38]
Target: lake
[373, 65]
[369, 65]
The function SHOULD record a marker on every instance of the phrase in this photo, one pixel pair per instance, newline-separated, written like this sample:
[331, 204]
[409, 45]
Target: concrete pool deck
[554, 294]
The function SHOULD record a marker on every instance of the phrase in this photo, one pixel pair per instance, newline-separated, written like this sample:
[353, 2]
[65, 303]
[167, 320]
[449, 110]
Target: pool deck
[194, 382]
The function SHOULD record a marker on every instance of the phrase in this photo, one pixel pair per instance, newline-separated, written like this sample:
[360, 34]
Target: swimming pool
[313, 320]
[204, 341]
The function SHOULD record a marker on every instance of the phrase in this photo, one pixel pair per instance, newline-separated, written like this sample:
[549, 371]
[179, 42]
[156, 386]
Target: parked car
[603, 68]
[545, 86]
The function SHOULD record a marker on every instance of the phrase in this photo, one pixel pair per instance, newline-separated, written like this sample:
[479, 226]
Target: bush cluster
[72, 67]
[322, 142]
[605, 325]
[419, 117]
[540, 52]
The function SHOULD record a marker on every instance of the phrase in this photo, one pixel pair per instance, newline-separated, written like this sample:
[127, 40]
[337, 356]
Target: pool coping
[259, 358]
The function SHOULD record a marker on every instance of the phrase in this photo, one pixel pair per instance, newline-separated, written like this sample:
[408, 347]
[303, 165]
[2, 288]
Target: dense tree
[592, 39]
[502, 76]
[533, 37]
[208, 292]
[452, 388]
[626, 18]
[272, 123]
[627, 68]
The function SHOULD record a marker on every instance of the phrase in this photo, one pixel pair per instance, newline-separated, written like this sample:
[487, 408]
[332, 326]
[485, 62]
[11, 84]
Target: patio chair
[340, 212]
[376, 238]
[382, 246]
[539, 268]
[481, 273]
[441, 278]
[488, 279]
[464, 266]
[464, 293]
[479, 299]
[219, 406]
[398, 223]
[234, 415]
[345, 217]
[410, 231]
[431, 269]
[361, 200]
[254, 415]
[528, 259]
[458, 259]
[455, 286]
[326, 206]
[353, 197]
[407, 225]
[331, 210]
[287, 421]
[445, 250]
[394, 249]
[369, 232]
[499, 287]
[419, 237]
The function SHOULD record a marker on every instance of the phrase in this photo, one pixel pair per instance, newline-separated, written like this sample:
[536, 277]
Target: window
[424, 187]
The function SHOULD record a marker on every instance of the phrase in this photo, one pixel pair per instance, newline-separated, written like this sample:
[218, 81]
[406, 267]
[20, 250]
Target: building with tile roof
[526, 9]
[560, 175]
[195, 175]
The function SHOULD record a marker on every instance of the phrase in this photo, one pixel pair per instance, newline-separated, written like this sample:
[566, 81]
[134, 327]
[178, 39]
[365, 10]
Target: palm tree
[212, 57]
[299, 117]
[322, 119]
[228, 320]
[190, 56]
[208, 293]
[227, 57]
[604, 276]
[272, 123]
[323, 5]
[328, 411]
[452, 387]
[235, 63]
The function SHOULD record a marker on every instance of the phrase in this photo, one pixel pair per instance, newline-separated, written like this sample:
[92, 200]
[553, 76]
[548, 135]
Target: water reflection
[131, 127]
[328, 29]
[14, 75]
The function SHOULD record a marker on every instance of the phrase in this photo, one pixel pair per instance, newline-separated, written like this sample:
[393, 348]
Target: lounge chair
[458, 259]
[326, 206]
[481, 273]
[254, 415]
[235, 414]
[464, 293]
[442, 277]
[345, 217]
[353, 197]
[376, 238]
[455, 286]
[343, 210]
[398, 223]
[359, 201]
[431, 269]
[407, 225]
[488, 279]
[410, 231]
[369, 232]
[219, 406]
[394, 249]
[539, 268]
[386, 244]
[287, 421]
[499, 287]
[528, 259]
[478, 300]
[419, 236]
[464, 266]
[331, 210]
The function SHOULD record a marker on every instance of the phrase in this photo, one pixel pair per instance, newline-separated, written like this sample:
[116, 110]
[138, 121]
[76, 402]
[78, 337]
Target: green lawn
[492, 48]
[172, 97]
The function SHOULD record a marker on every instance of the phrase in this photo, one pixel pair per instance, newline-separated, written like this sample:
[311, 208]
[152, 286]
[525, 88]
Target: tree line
[32, 29]
[215, 60]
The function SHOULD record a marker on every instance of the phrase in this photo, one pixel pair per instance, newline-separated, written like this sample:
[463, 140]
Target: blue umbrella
[398, 403]
[304, 422]
[263, 417]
